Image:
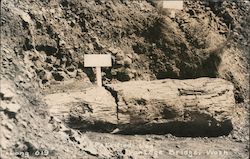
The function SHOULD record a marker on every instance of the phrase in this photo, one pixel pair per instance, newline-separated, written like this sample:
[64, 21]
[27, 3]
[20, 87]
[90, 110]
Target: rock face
[200, 107]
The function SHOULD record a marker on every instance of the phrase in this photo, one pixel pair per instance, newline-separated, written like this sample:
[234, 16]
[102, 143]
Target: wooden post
[99, 76]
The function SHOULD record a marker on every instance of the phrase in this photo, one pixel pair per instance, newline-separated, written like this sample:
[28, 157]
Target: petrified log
[195, 107]
[83, 109]
[175, 105]
[184, 100]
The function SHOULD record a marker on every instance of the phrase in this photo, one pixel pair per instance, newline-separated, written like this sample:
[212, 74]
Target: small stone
[9, 57]
[81, 74]
[62, 42]
[168, 135]
[207, 8]
[52, 10]
[59, 76]
[9, 126]
[127, 61]
[113, 72]
[11, 107]
[72, 74]
[70, 69]
[157, 138]
[115, 131]
[114, 51]
[90, 46]
[4, 143]
[136, 56]
[24, 124]
[129, 56]
[120, 62]
[51, 59]
[6, 91]
[47, 76]
[26, 17]
[124, 151]
[7, 135]
[40, 73]
[119, 56]
[38, 63]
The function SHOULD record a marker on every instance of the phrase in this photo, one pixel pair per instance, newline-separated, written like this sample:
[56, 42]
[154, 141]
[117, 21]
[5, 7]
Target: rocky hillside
[43, 43]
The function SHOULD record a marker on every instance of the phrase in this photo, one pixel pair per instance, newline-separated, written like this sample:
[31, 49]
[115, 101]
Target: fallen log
[144, 101]
[195, 107]
[177, 106]
[86, 109]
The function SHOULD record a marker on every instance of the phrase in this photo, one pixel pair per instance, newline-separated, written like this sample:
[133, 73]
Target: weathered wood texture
[182, 100]
[93, 104]
[203, 102]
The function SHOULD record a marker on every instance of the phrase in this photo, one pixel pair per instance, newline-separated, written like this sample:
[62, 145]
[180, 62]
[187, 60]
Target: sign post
[97, 61]
[173, 5]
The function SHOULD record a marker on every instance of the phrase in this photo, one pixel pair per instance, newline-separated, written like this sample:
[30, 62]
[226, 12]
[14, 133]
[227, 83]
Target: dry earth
[42, 48]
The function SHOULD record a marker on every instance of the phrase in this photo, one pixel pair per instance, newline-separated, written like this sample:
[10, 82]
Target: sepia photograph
[124, 79]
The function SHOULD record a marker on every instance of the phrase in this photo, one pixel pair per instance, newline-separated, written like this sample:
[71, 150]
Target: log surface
[162, 104]
[182, 100]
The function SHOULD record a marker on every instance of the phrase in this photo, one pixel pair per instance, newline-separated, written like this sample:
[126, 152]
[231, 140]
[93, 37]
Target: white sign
[98, 61]
[177, 4]
[95, 60]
